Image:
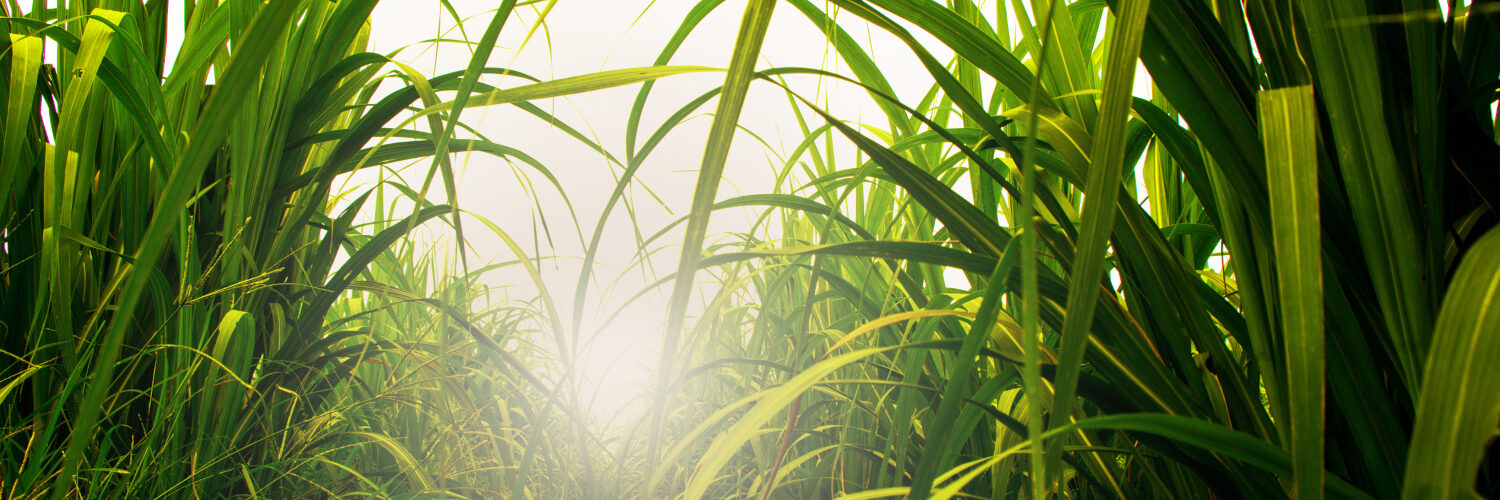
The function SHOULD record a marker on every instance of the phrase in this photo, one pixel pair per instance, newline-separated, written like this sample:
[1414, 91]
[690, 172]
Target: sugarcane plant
[1271, 276]
[201, 299]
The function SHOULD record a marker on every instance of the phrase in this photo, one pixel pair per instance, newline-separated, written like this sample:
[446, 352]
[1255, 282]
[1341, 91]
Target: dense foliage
[1274, 278]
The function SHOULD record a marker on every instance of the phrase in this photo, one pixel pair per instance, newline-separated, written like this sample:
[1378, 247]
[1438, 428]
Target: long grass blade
[753, 25]
[1456, 412]
[1103, 189]
[1289, 126]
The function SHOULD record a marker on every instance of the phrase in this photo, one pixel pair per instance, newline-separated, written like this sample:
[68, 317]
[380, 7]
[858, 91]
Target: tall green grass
[195, 306]
[1252, 284]
[1272, 278]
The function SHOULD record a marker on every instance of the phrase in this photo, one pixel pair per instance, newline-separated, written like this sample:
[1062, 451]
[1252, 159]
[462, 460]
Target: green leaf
[1215, 438]
[25, 62]
[961, 218]
[1102, 189]
[404, 458]
[753, 25]
[771, 402]
[940, 450]
[1289, 126]
[1348, 77]
[1458, 406]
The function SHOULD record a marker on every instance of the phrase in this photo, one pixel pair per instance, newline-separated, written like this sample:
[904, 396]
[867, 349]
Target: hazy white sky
[581, 37]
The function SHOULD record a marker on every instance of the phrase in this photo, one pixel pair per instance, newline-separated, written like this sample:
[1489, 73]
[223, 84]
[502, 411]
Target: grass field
[1273, 274]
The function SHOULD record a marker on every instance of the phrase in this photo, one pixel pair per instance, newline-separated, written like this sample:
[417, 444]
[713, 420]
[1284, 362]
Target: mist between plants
[621, 338]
